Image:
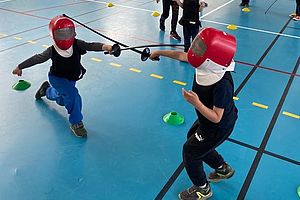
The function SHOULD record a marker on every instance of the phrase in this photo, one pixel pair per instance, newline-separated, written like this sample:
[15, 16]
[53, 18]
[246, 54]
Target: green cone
[21, 85]
[173, 118]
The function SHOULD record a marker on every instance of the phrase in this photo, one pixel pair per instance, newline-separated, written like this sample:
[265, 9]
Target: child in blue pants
[65, 93]
[65, 70]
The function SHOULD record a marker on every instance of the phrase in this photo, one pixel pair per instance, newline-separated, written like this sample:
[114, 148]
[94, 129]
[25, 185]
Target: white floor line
[130, 7]
[210, 21]
[214, 10]
[5, 1]
[254, 29]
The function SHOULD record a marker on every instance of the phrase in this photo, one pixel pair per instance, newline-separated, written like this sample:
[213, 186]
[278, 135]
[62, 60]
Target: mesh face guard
[64, 33]
[198, 47]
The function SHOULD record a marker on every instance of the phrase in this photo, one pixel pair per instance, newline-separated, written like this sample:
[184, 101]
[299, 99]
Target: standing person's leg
[64, 92]
[165, 14]
[294, 14]
[174, 20]
[194, 31]
[190, 31]
[297, 14]
[187, 37]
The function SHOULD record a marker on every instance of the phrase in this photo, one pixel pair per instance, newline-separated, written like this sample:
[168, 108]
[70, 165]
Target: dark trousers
[166, 10]
[190, 31]
[200, 146]
[298, 7]
[245, 1]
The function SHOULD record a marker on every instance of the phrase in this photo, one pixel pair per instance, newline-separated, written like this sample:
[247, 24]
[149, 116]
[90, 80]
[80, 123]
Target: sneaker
[196, 192]
[42, 90]
[292, 15]
[175, 35]
[219, 174]
[78, 130]
[297, 18]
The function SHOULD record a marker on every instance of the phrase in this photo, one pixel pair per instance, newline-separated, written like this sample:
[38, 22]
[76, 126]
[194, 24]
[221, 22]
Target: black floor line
[261, 59]
[265, 152]
[282, 157]
[297, 28]
[242, 144]
[169, 183]
[265, 140]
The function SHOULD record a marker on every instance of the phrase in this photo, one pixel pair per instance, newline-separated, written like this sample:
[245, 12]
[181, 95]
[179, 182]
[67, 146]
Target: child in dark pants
[65, 70]
[190, 19]
[165, 14]
[211, 54]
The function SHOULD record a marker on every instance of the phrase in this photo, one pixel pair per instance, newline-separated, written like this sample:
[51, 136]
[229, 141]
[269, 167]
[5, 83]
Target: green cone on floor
[173, 118]
[21, 85]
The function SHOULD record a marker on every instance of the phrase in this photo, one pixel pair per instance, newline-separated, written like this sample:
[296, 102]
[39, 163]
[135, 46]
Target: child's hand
[107, 48]
[190, 97]
[154, 56]
[17, 71]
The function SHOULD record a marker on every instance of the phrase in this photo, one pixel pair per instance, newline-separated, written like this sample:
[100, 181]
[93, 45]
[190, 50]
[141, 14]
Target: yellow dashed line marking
[135, 70]
[31, 42]
[156, 76]
[96, 59]
[260, 105]
[115, 65]
[179, 82]
[45, 46]
[291, 115]
[18, 38]
[235, 98]
[2, 35]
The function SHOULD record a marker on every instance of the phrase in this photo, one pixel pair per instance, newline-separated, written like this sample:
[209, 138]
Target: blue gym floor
[130, 153]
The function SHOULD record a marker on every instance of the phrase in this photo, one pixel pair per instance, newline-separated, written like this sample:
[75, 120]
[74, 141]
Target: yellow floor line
[291, 115]
[156, 76]
[115, 65]
[260, 105]
[18, 38]
[96, 59]
[135, 70]
[236, 98]
[45, 46]
[179, 82]
[31, 42]
[2, 35]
